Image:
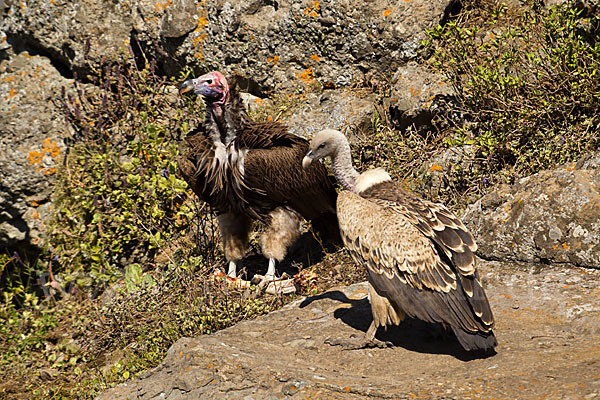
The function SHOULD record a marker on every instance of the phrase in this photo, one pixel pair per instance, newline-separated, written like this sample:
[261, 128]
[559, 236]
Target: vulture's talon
[257, 279]
[382, 344]
[282, 285]
[263, 280]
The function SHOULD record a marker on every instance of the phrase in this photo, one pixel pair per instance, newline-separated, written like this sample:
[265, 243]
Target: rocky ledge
[548, 328]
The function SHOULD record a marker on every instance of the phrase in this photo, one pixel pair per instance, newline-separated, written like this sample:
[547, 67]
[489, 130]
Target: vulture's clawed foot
[220, 278]
[356, 343]
[272, 285]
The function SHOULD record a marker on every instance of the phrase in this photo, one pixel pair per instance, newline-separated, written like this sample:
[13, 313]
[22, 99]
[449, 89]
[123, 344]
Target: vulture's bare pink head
[212, 86]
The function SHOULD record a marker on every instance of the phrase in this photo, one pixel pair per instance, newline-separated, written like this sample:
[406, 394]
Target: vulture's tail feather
[475, 341]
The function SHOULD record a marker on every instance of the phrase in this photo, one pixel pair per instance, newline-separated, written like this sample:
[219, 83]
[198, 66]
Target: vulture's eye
[321, 146]
[209, 81]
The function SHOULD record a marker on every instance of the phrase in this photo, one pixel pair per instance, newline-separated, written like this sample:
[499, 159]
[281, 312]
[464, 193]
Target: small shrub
[76, 348]
[527, 83]
[130, 249]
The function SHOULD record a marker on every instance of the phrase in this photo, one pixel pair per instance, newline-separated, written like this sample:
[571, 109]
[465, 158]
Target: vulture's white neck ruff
[228, 159]
[371, 178]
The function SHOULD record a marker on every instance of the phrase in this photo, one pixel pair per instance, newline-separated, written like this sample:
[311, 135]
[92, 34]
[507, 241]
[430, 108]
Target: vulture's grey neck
[343, 170]
[226, 132]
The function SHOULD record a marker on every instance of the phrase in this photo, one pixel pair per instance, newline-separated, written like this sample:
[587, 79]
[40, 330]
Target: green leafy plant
[130, 253]
[119, 199]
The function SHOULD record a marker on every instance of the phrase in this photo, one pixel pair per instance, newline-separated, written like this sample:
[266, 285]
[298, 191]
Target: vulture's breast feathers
[216, 173]
[224, 166]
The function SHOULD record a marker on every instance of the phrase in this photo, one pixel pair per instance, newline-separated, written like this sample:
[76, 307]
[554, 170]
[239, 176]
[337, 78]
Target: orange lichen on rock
[314, 10]
[199, 35]
[306, 76]
[36, 158]
[51, 148]
[162, 6]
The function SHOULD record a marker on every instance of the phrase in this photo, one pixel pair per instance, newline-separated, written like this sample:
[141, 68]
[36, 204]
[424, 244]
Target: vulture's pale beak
[307, 160]
[186, 87]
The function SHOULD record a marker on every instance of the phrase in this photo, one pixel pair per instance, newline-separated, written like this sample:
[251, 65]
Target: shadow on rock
[412, 334]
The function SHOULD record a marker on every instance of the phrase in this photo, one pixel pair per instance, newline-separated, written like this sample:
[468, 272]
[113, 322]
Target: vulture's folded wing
[409, 267]
[276, 171]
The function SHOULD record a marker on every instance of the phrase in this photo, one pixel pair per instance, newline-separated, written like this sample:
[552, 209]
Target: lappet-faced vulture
[418, 255]
[250, 171]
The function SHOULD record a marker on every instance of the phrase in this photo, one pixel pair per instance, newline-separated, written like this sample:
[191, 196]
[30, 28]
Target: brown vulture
[250, 171]
[418, 255]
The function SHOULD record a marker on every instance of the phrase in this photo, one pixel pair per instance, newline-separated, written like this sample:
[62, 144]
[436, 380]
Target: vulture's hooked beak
[308, 159]
[186, 86]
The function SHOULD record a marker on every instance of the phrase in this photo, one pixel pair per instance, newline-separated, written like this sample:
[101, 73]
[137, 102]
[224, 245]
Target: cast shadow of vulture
[412, 334]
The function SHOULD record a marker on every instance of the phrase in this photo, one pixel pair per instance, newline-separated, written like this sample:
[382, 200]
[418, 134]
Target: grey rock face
[31, 144]
[179, 19]
[332, 43]
[272, 44]
[416, 95]
[76, 34]
[550, 217]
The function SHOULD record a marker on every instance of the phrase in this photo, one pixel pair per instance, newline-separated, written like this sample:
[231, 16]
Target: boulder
[552, 217]
[75, 34]
[179, 19]
[417, 96]
[335, 109]
[32, 129]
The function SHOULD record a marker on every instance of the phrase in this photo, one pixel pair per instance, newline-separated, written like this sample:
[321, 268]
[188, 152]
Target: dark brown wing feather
[198, 150]
[452, 239]
[274, 165]
[411, 259]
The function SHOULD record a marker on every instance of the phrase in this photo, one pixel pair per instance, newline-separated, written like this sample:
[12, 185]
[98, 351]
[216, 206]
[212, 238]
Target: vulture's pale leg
[270, 275]
[370, 335]
[232, 271]
[282, 230]
[234, 230]
[384, 314]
